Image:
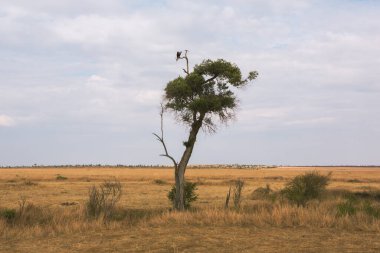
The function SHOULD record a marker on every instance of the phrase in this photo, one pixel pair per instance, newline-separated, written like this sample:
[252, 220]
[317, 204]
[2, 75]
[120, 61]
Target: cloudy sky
[81, 81]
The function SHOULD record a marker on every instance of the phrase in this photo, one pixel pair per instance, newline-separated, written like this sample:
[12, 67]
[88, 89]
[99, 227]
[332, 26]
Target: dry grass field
[144, 222]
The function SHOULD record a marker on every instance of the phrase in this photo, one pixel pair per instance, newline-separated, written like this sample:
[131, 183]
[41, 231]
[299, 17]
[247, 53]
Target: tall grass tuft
[102, 200]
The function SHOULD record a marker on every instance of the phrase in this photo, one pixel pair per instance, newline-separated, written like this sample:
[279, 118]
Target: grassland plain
[146, 224]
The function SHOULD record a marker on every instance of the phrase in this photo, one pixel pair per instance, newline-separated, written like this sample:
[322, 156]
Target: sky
[81, 81]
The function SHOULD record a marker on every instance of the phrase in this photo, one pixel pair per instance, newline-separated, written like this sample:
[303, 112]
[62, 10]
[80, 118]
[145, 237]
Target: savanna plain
[46, 210]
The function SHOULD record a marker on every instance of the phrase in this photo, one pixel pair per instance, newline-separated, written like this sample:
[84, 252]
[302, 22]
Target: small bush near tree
[189, 196]
[304, 188]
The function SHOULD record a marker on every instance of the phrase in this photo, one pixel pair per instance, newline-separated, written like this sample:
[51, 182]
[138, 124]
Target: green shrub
[354, 202]
[348, 207]
[371, 210]
[190, 194]
[304, 188]
[60, 177]
[8, 214]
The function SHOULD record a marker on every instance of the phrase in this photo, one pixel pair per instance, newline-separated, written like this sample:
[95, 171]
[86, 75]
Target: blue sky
[81, 81]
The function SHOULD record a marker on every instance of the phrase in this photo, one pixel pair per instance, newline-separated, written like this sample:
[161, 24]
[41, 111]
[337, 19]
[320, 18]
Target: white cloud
[265, 113]
[313, 121]
[6, 121]
[228, 12]
[149, 97]
[96, 78]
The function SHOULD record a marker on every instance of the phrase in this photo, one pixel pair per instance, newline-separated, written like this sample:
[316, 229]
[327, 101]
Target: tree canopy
[206, 92]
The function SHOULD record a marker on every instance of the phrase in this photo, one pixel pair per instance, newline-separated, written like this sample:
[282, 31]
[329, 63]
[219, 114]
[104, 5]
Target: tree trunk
[179, 203]
[181, 168]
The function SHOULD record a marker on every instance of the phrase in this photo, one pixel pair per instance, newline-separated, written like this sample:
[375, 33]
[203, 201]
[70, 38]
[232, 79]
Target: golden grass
[144, 207]
[140, 190]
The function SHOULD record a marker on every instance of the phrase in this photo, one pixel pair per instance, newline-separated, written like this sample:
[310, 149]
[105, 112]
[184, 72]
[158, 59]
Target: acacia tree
[201, 99]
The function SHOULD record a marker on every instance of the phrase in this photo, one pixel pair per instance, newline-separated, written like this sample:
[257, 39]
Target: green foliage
[60, 177]
[348, 207]
[304, 188]
[189, 194]
[8, 214]
[205, 92]
[370, 210]
[355, 202]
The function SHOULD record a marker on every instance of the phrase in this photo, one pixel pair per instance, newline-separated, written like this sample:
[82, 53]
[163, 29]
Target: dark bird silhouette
[178, 55]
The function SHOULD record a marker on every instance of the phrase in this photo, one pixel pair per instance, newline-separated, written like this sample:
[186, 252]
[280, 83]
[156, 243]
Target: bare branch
[161, 139]
[187, 62]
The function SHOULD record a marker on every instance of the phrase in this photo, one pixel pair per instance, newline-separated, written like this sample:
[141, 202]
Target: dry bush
[28, 182]
[160, 182]
[32, 215]
[227, 202]
[264, 193]
[238, 193]
[237, 190]
[103, 199]
[27, 214]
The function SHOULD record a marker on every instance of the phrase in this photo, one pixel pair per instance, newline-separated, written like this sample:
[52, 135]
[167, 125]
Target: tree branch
[187, 62]
[210, 79]
[161, 139]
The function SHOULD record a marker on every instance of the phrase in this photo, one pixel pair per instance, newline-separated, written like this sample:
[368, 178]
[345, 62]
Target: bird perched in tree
[178, 55]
